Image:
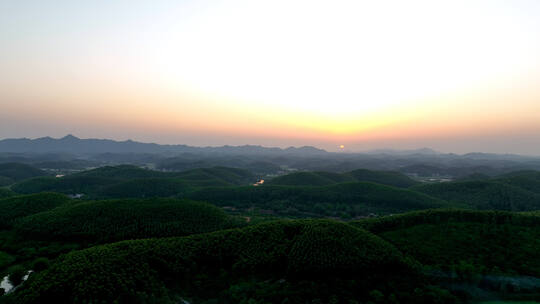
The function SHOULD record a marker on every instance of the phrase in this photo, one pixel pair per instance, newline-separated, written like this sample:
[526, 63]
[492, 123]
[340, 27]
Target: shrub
[40, 264]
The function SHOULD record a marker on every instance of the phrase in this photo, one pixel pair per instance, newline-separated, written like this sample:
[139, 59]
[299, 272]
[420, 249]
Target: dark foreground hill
[280, 262]
[448, 238]
[434, 256]
[491, 251]
[389, 178]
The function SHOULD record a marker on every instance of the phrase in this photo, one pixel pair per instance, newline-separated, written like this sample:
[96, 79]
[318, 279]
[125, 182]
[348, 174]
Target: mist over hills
[71, 153]
[71, 144]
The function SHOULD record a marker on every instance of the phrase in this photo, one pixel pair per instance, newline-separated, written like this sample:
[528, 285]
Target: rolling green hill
[67, 184]
[5, 181]
[309, 179]
[280, 262]
[165, 237]
[112, 220]
[527, 180]
[475, 254]
[408, 258]
[17, 207]
[14, 172]
[484, 195]
[388, 178]
[216, 176]
[344, 200]
[130, 181]
[120, 172]
[5, 192]
[481, 242]
[144, 188]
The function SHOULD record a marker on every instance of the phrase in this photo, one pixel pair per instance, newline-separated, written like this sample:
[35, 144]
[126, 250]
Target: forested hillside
[17, 207]
[310, 260]
[528, 180]
[5, 192]
[132, 181]
[321, 178]
[292, 261]
[113, 220]
[318, 194]
[342, 200]
[14, 172]
[487, 250]
[209, 236]
[485, 194]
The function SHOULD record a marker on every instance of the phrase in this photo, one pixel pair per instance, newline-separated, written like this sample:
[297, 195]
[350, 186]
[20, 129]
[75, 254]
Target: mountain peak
[70, 137]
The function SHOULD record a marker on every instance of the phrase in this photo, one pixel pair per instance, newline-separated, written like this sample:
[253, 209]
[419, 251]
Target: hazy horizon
[454, 76]
[343, 149]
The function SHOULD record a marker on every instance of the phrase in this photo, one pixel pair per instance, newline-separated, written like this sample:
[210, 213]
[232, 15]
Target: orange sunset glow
[354, 74]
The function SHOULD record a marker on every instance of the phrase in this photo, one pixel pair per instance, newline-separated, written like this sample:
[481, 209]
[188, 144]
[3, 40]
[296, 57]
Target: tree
[16, 276]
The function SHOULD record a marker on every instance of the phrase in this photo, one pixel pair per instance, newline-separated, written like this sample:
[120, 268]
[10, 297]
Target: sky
[456, 76]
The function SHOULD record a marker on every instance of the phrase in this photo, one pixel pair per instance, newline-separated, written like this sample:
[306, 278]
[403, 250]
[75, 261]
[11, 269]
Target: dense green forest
[16, 207]
[14, 172]
[401, 260]
[518, 191]
[484, 195]
[132, 181]
[340, 200]
[301, 194]
[272, 262]
[487, 241]
[5, 192]
[473, 253]
[528, 180]
[389, 178]
[207, 235]
[111, 220]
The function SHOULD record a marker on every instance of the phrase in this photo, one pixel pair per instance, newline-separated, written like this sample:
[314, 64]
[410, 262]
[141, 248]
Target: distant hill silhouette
[75, 145]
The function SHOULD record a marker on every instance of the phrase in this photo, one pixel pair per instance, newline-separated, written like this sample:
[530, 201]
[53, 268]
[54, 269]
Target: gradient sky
[456, 76]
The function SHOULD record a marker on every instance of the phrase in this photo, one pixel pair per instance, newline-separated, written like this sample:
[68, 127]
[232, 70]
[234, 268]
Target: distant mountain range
[74, 145]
